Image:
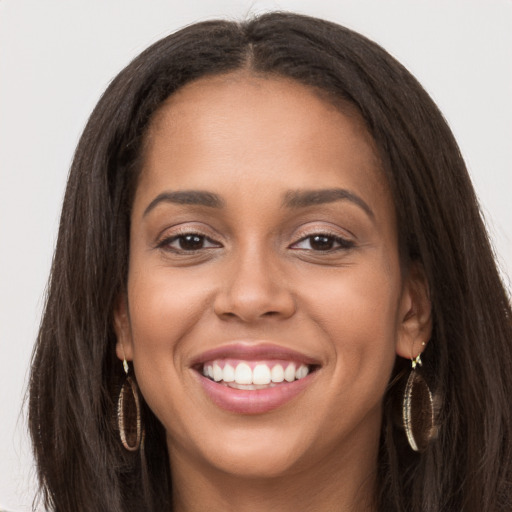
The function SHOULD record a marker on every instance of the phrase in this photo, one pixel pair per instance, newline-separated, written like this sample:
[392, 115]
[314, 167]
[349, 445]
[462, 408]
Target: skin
[256, 276]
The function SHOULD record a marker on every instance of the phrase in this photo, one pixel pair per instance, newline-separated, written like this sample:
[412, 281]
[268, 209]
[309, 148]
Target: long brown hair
[75, 373]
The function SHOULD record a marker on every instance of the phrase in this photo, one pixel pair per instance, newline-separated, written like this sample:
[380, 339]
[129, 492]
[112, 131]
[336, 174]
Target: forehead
[245, 128]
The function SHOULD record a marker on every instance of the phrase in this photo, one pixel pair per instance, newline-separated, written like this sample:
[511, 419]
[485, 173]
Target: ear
[123, 330]
[415, 314]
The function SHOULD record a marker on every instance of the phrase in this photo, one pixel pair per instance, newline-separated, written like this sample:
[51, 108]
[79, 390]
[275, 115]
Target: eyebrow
[292, 199]
[192, 197]
[305, 198]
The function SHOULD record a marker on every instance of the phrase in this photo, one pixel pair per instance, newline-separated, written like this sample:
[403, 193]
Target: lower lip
[254, 401]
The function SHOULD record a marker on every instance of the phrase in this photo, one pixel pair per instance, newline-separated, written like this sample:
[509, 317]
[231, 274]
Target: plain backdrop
[56, 58]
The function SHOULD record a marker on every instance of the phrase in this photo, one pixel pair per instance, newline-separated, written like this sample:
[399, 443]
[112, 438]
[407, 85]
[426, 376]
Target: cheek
[164, 309]
[358, 310]
[357, 301]
[166, 304]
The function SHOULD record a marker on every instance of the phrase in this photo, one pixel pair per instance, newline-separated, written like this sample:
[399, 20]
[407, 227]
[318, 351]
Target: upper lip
[253, 352]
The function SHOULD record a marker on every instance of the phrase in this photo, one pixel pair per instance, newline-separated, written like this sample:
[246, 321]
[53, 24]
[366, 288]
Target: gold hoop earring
[128, 414]
[418, 412]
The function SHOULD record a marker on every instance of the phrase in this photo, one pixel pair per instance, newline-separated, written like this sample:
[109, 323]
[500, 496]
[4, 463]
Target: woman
[272, 289]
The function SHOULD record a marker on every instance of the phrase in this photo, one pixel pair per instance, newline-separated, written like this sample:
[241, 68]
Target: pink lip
[256, 401]
[253, 352]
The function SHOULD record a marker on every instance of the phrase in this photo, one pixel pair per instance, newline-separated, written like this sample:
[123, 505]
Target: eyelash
[343, 243]
[165, 243]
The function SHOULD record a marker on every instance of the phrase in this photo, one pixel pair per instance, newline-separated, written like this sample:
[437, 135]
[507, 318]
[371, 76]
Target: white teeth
[243, 374]
[249, 387]
[217, 372]
[261, 374]
[277, 373]
[229, 373]
[289, 373]
[301, 372]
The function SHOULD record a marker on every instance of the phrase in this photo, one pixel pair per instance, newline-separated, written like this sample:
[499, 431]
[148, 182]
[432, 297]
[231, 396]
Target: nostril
[253, 298]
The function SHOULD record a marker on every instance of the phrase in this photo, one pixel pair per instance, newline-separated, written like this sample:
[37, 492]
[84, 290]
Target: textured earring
[418, 414]
[128, 414]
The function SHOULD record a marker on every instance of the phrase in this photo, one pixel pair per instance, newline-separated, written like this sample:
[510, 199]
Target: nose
[252, 288]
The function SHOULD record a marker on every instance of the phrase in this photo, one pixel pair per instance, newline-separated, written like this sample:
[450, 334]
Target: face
[265, 300]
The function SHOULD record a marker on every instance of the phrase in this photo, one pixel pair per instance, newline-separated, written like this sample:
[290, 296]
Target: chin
[257, 463]
[249, 451]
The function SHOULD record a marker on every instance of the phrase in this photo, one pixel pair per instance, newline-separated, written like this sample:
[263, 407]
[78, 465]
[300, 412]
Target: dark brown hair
[75, 373]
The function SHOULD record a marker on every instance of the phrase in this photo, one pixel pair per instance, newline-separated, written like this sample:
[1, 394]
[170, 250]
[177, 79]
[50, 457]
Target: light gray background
[56, 57]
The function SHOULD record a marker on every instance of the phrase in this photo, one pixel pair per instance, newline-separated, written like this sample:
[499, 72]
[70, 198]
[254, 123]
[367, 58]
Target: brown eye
[323, 242]
[188, 242]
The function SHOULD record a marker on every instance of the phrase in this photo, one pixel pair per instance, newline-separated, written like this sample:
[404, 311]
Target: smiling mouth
[254, 375]
[254, 378]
